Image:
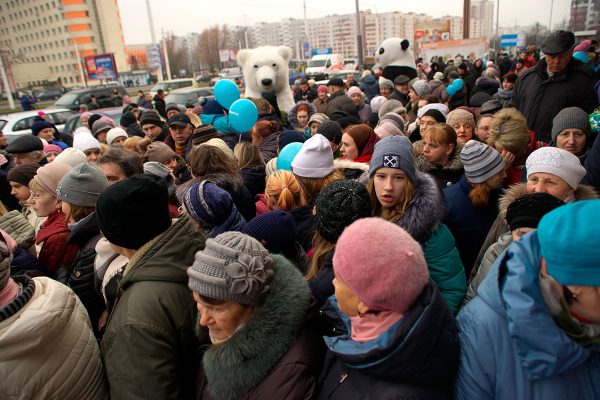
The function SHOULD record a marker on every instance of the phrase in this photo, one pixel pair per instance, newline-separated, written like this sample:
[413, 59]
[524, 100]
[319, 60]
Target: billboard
[101, 66]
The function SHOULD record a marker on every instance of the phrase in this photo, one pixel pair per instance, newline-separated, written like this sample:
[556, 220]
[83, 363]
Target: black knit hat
[527, 211]
[22, 174]
[133, 211]
[276, 228]
[479, 98]
[127, 119]
[204, 133]
[288, 136]
[93, 118]
[338, 205]
[150, 117]
[331, 130]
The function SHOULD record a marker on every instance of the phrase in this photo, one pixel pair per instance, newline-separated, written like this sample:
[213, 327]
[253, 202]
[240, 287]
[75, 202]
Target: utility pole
[305, 33]
[359, 44]
[166, 51]
[466, 18]
[550, 22]
[81, 74]
[153, 37]
[11, 102]
[497, 45]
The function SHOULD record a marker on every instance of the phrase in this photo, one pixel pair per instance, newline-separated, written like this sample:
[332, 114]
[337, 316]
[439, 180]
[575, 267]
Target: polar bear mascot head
[396, 58]
[266, 71]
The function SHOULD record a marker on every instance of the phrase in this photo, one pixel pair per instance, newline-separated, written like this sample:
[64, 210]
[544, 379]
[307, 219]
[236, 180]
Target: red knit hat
[381, 263]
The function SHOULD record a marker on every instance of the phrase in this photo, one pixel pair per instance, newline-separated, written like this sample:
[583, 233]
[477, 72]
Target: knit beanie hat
[85, 141]
[277, 228]
[101, 125]
[208, 204]
[381, 263]
[82, 185]
[376, 103]
[232, 267]
[151, 118]
[570, 118]
[115, 133]
[387, 129]
[439, 76]
[338, 205]
[331, 130]
[134, 211]
[271, 167]
[288, 136]
[52, 148]
[394, 152]
[318, 117]
[39, 126]
[435, 114]
[555, 161]
[203, 134]
[127, 119]
[385, 83]
[481, 161]
[212, 107]
[71, 156]
[354, 90]
[172, 106]
[391, 106]
[159, 152]
[421, 88]
[156, 168]
[22, 174]
[442, 108]
[108, 119]
[322, 89]
[346, 121]
[315, 158]
[562, 229]
[393, 118]
[527, 211]
[50, 175]
[459, 116]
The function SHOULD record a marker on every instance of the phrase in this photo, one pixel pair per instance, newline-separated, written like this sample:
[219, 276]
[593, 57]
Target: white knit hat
[115, 133]
[71, 156]
[433, 106]
[85, 141]
[555, 161]
[315, 158]
[387, 129]
[376, 103]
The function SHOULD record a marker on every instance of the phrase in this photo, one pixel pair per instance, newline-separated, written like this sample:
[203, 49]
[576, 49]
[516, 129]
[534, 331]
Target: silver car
[18, 124]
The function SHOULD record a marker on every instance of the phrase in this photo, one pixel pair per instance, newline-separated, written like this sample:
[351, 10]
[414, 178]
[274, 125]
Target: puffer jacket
[47, 347]
[369, 86]
[511, 347]
[254, 179]
[276, 355]
[395, 365]
[149, 342]
[19, 228]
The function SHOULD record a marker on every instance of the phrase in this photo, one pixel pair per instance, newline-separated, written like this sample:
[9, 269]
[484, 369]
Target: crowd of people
[382, 239]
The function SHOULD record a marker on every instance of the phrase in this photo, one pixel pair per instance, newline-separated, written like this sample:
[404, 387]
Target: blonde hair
[284, 191]
[390, 214]
[248, 155]
[509, 131]
[132, 144]
[209, 159]
[313, 186]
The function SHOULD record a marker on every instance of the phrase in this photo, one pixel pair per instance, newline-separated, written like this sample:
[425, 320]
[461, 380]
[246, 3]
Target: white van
[321, 65]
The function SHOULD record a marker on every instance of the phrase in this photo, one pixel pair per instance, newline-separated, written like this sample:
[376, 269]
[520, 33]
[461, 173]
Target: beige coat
[48, 350]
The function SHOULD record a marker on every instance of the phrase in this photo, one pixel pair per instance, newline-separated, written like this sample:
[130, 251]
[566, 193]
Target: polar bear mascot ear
[396, 58]
[266, 70]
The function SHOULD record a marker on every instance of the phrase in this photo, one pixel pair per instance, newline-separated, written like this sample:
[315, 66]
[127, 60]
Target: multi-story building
[41, 36]
[585, 15]
[481, 23]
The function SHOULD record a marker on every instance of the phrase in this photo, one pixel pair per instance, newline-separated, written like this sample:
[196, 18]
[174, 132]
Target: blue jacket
[511, 347]
[369, 86]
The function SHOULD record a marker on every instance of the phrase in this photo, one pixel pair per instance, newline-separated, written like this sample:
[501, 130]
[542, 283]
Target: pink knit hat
[50, 174]
[381, 263]
[354, 90]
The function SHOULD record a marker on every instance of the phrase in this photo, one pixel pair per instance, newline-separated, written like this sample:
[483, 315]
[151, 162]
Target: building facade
[481, 23]
[585, 15]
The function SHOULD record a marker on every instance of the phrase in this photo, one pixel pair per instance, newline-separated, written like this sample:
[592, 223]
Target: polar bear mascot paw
[266, 71]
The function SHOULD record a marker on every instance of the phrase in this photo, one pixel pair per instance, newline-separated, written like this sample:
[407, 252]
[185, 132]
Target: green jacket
[149, 346]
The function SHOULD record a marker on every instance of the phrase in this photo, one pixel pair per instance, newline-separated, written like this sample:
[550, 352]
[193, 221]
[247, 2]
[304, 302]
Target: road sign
[512, 40]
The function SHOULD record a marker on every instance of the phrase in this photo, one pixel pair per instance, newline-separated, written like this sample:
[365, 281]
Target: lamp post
[359, 44]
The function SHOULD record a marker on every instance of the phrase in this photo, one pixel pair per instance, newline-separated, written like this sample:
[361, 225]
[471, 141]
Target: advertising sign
[318, 52]
[101, 66]
[154, 58]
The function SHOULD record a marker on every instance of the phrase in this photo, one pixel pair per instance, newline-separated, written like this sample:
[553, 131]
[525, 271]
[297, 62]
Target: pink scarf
[9, 292]
[371, 325]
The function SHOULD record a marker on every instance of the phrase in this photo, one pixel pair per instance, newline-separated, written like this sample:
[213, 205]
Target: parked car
[186, 96]
[341, 74]
[75, 121]
[73, 99]
[168, 86]
[234, 78]
[49, 94]
[18, 124]
[295, 74]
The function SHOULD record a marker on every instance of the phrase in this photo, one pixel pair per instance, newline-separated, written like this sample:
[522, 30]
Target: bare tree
[536, 33]
[178, 55]
[210, 41]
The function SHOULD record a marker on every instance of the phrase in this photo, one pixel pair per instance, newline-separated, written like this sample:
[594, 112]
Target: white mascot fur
[266, 71]
[396, 58]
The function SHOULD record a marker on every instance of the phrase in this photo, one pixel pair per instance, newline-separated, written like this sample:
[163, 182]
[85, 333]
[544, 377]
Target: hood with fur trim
[454, 163]
[291, 116]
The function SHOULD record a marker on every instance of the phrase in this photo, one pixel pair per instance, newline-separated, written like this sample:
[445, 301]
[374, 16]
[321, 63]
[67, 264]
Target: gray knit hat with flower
[232, 267]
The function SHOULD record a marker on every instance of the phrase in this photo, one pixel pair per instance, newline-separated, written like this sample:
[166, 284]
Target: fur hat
[315, 158]
[82, 185]
[459, 116]
[555, 161]
[481, 161]
[381, 264]
[394, 152]
[232, 267]
[338, 205]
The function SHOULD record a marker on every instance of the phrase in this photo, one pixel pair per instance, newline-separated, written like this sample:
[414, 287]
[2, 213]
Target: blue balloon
[287, 155]
[458, 84]
[451, 90]
[226, 92]
[243, 114]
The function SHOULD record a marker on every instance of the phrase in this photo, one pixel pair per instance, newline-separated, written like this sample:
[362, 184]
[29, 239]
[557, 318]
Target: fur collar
[425, 211]
[349, 164]
[519, 190]
[454, 163]
[236, 366]
[291, 116]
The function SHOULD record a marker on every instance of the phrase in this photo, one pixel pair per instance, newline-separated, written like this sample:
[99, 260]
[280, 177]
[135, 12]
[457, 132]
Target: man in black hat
[152, 126]
[556, 82]
[401, 89]
[338, 101]
[26, 149]
[180, 133]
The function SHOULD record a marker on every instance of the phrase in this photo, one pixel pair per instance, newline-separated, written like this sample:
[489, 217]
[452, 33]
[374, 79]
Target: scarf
[371, 325]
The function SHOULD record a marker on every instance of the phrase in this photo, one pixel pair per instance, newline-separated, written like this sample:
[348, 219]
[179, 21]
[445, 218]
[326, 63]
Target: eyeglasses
[35, 195]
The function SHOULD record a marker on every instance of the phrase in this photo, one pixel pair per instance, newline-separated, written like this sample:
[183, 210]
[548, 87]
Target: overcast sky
[185, 16]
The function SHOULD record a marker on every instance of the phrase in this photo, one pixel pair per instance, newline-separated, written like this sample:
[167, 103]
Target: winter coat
[19, 228]
[254, 179]
[320, 105]
[486, 85]
[540, 98]
[396, 365]
[269, 146]
[500, 226]
[47, 347]
[504, 97]
[511, 347]
[149, 341]
[169, 141]
[109, 268]
[309, 95]
[592, 166]
[423, 221]
[240, 195]
[340, 103]
[293, 119]
[467, 223]
[56, 253]
[321, 285]
[160, 105]
[364, 113]
[276, 355]
[369, 86]
[304, 219]
[219, 121]
[352, 169]
[444, 176]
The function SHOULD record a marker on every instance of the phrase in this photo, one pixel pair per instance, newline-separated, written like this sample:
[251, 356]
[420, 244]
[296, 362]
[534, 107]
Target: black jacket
[304, 219]
[309, 95]
[254, 179]
[340, 103]
[540, 98]
[160, 106]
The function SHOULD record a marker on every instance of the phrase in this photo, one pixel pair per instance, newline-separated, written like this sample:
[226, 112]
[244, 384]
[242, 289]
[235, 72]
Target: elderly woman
[252, 307]
[463, 123]
[364, 109]
[571, 132]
